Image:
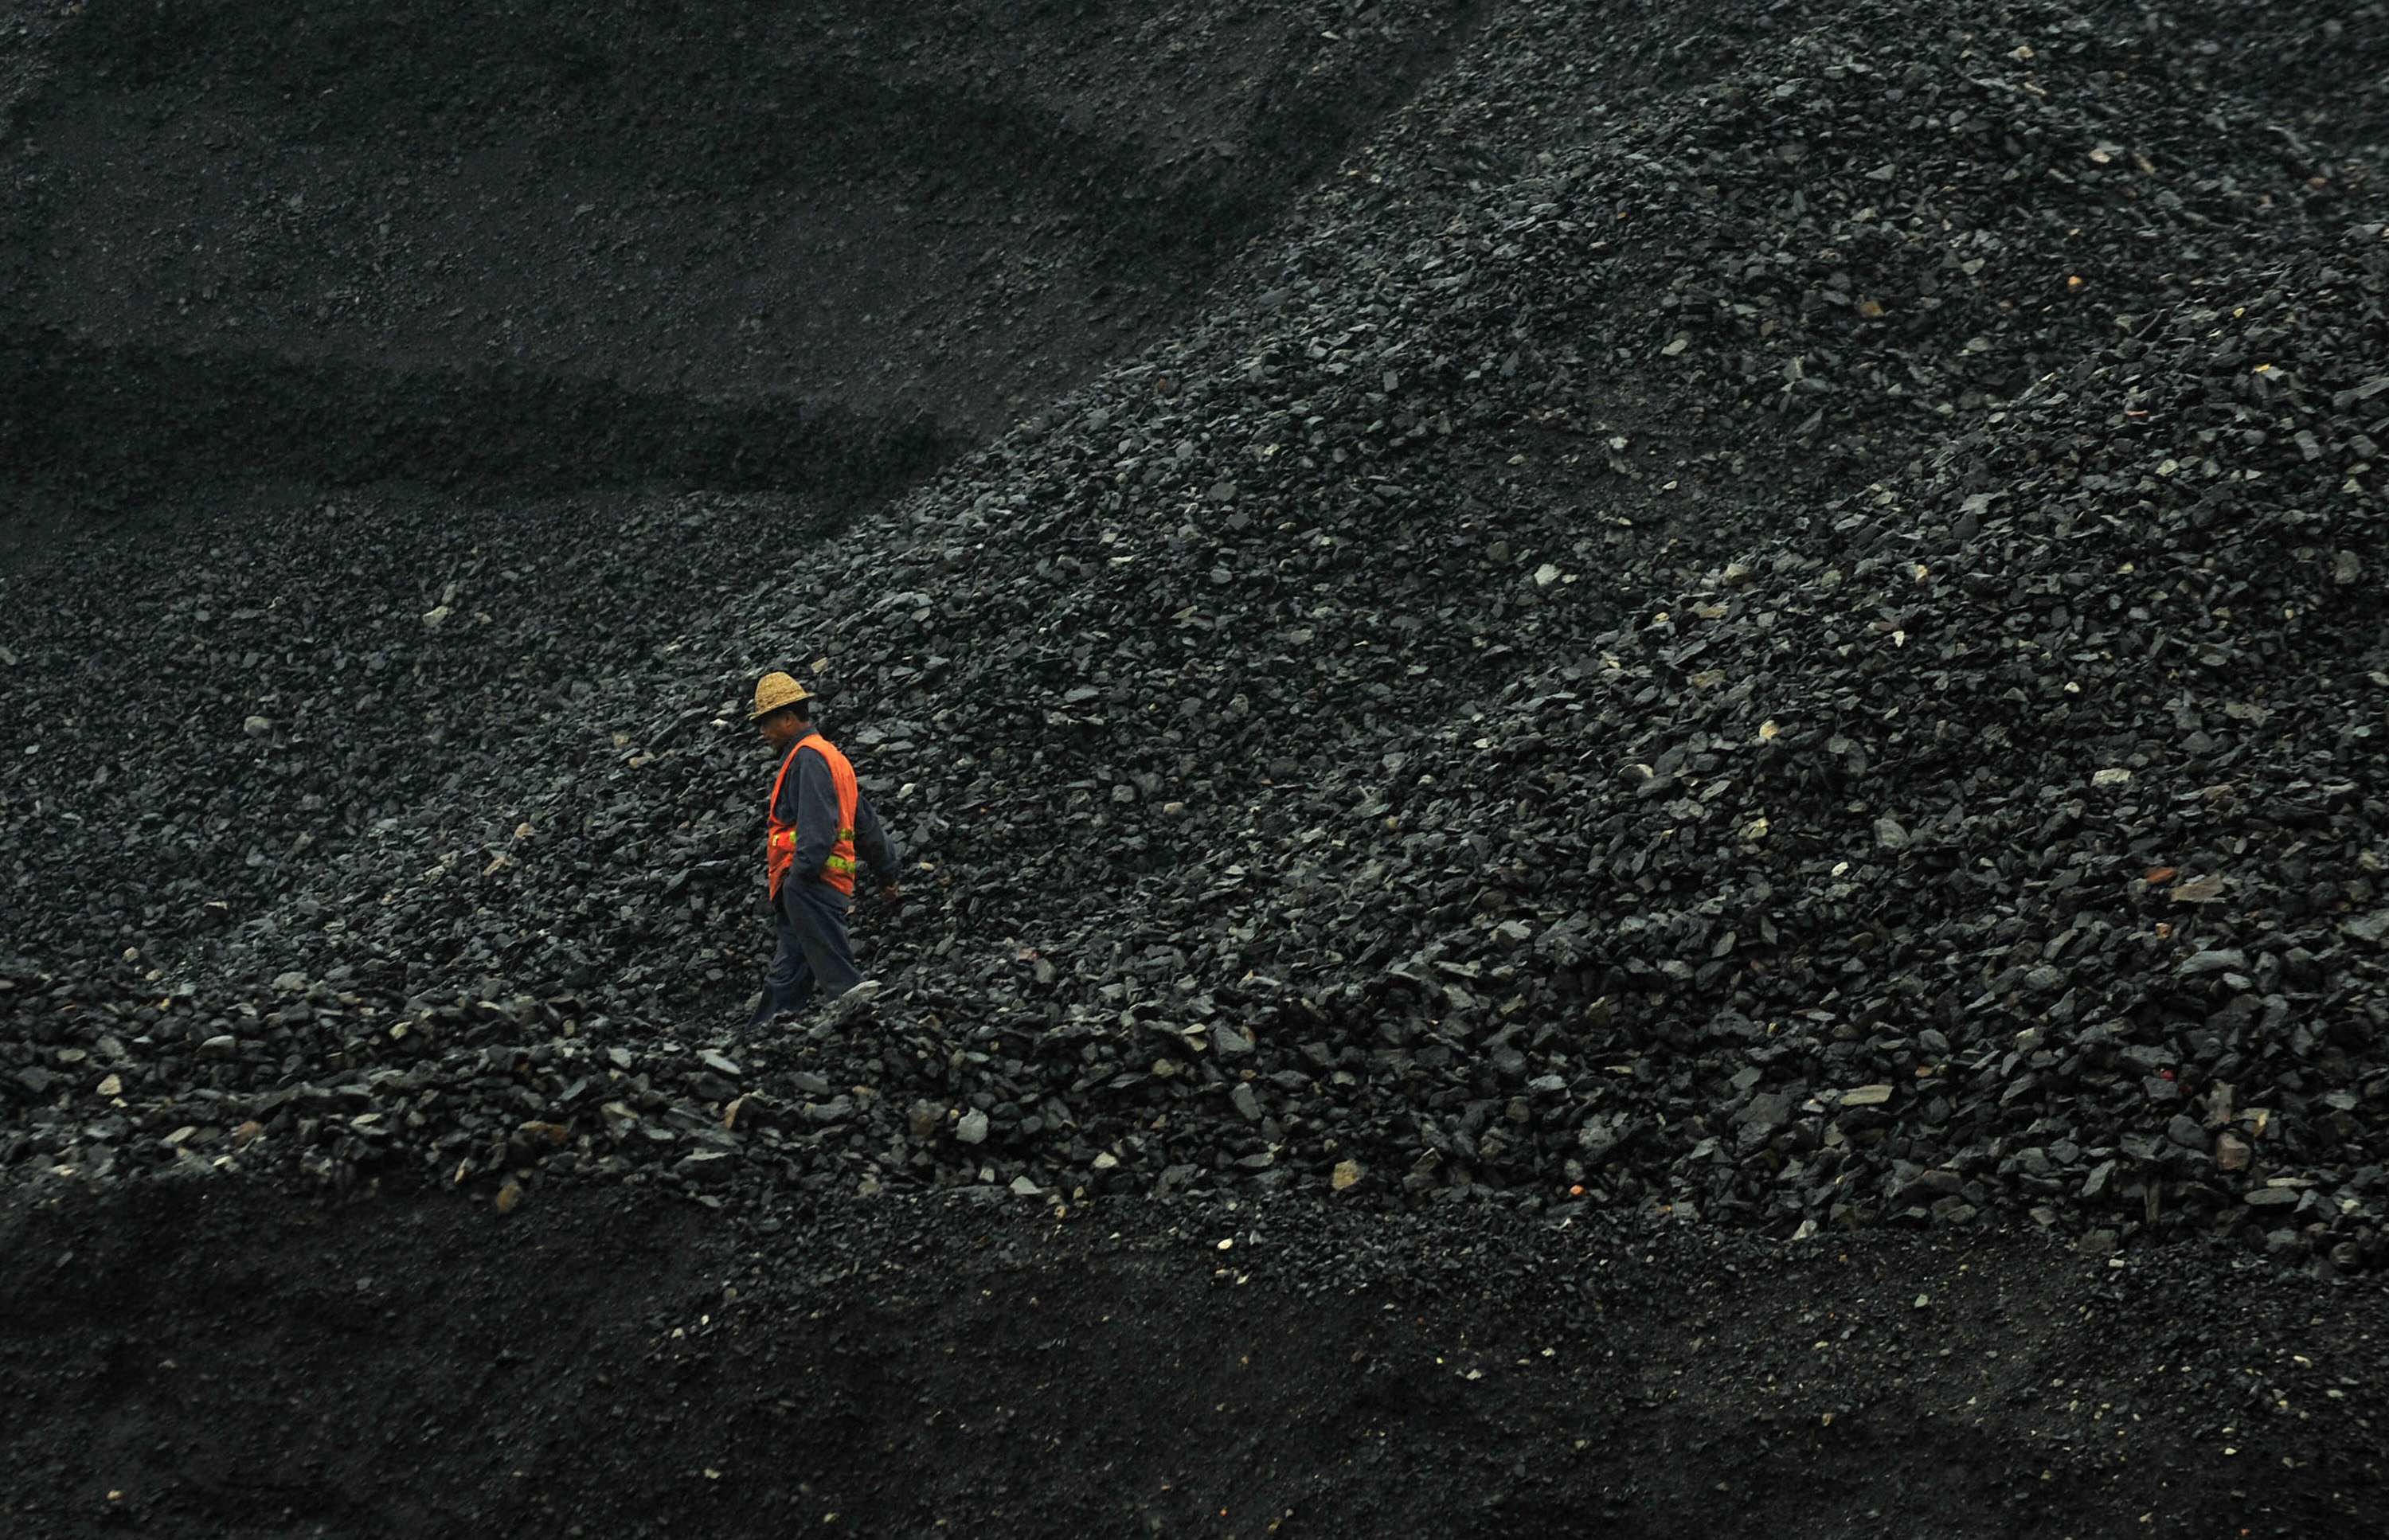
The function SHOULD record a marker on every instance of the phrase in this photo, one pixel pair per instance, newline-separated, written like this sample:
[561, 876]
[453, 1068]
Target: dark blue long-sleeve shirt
[809, 799]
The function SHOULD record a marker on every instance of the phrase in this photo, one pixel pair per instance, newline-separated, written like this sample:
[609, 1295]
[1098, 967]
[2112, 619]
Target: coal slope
[1546, 695]
[1741, 631]
[245, 243]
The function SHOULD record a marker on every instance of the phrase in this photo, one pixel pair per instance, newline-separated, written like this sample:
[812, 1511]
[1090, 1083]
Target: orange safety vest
[780, 850]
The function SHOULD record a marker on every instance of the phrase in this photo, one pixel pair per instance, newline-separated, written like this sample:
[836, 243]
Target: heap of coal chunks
[1795, 646]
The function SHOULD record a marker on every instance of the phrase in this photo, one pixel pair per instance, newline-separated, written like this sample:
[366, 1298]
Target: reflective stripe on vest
[780, 846]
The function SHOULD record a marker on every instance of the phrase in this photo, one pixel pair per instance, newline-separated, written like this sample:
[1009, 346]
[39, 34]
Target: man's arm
[873, 842]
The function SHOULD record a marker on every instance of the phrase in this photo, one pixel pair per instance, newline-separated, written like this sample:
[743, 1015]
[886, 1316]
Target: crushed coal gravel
[1747, 642]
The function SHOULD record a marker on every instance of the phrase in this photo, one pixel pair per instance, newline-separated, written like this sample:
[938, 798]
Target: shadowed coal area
[359, 240]
[958, 209]
[115, 429]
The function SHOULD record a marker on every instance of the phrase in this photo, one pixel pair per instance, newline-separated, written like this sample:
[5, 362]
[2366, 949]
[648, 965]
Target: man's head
[784, 726]
[782, 709]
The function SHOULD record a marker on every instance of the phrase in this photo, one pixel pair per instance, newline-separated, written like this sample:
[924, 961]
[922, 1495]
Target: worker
[818, 821]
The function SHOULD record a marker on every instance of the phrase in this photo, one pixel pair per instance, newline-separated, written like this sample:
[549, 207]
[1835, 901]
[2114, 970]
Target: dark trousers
[813, 950]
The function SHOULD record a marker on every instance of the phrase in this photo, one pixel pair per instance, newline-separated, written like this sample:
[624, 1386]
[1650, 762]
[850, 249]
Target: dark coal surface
[205, 1358]
[243, 243]
[1752, 628]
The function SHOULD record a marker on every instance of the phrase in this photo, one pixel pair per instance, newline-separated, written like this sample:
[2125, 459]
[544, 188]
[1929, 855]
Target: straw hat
[774, 691]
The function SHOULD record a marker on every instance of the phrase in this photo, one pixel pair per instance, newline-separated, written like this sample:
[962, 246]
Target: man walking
[817, 819]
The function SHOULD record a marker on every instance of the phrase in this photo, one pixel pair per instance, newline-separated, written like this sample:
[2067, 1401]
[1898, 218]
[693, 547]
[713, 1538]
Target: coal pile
[1778, 630]
[565, 247]
[935, 208]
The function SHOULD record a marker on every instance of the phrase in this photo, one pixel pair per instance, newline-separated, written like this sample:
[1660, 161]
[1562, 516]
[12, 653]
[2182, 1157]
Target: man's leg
[820, 924]
[789, 983]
